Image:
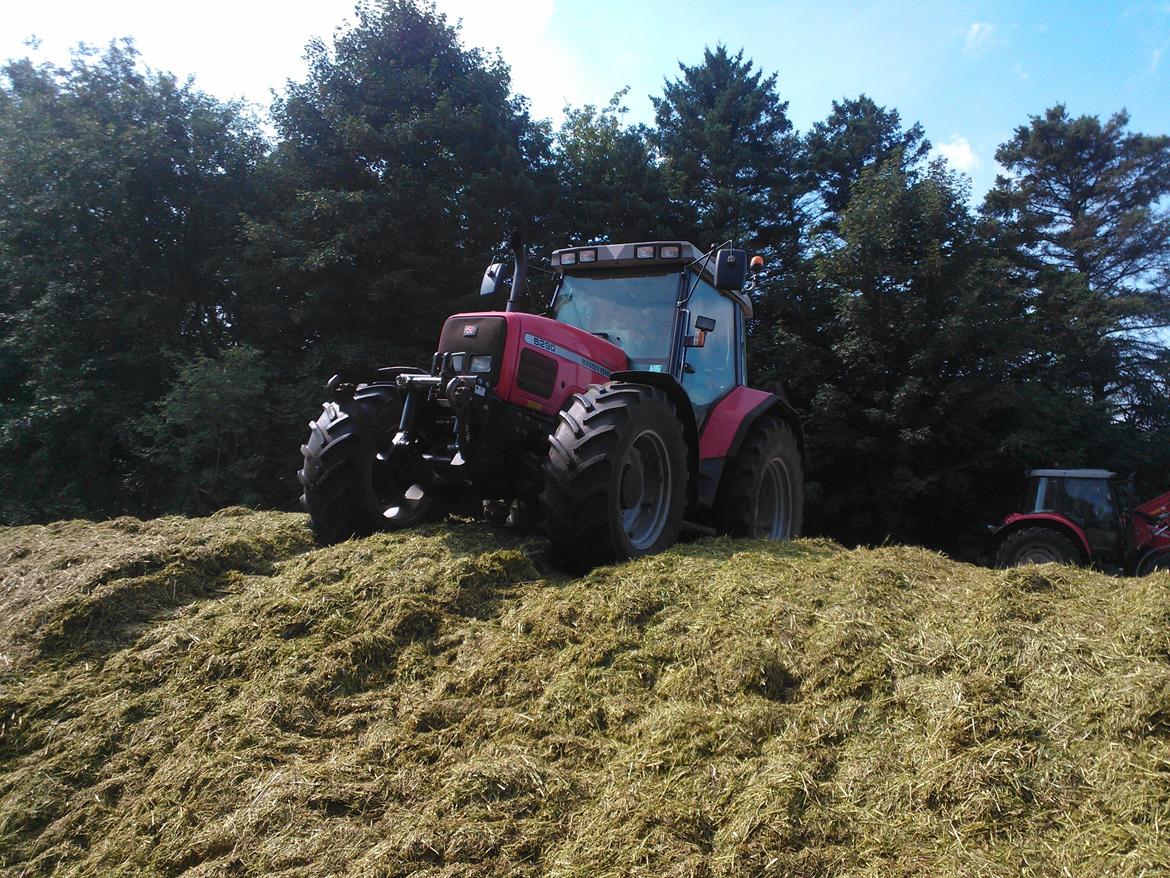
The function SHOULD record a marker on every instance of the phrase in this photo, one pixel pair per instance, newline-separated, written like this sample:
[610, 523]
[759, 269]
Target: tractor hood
[528, 360]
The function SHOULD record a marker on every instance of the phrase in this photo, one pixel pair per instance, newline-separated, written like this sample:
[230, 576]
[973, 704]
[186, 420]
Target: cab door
[1092, 504]
[711, 371]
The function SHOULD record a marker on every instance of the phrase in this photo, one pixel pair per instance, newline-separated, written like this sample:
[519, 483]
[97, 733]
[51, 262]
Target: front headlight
[481, 363]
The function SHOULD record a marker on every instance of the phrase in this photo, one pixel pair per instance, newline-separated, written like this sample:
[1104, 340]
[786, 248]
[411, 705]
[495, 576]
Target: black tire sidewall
[1016, 543]
[1158, 559]
[339, 489]
[783, 447]
[738, 496]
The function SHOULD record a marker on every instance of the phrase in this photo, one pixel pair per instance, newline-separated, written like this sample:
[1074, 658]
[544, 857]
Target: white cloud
[1155, 60]
[979, 37]
[958, 152]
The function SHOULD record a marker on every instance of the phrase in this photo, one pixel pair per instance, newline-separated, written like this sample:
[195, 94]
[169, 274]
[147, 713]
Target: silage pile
[215, 697]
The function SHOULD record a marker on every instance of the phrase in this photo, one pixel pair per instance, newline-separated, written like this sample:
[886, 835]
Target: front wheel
[761, 493]
[353, 485]
[615, 482]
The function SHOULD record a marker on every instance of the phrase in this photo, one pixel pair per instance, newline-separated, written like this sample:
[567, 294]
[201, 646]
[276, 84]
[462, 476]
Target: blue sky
[970, 72]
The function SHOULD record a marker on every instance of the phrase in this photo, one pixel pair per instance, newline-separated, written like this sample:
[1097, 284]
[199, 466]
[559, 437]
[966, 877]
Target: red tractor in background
[619, 414]
[1089, 517]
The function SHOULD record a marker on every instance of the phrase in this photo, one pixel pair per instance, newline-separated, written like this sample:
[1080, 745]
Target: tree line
[178, 278]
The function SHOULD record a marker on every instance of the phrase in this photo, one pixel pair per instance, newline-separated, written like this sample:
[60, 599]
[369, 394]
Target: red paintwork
[1149, 527]
[1018, 518]
[725, 418]
[571, 377]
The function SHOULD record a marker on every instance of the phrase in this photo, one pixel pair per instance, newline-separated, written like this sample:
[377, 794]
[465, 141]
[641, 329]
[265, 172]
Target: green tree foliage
[1086, 212]
[730, 152]
[609, 185]
[856, 135]
[119, 196]
[915, 417]
[404, 159]
[209, 440]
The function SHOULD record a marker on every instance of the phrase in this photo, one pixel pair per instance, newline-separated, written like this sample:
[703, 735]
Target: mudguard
[733, 416]
[1018, 520]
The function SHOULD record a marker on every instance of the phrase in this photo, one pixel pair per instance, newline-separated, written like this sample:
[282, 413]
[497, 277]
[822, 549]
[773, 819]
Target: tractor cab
[1071, 516]
[672, 309]
[1094, 501]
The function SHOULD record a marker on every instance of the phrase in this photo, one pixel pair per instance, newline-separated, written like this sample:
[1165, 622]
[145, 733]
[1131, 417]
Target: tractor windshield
[636, 313]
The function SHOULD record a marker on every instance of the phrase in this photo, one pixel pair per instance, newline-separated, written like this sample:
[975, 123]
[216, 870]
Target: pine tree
[609, 185]
[1086, 208]
[730, 152]
[856, 135]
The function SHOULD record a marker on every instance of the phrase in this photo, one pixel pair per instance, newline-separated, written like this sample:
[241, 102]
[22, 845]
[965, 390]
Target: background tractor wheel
[1036, 545]
[615, 482]
[350, 486]
[1151, 561]
[761, 493]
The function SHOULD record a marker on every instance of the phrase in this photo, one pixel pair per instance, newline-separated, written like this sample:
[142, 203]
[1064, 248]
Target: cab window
[1090, 500]
[710, 371]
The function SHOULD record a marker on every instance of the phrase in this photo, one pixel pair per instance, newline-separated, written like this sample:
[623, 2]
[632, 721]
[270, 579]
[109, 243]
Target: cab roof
[640, 253]
[1073, 473]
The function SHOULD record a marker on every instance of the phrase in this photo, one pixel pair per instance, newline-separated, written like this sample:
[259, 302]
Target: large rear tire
[351, 486]
[761, 492]
[615, 482]
[1036, 545]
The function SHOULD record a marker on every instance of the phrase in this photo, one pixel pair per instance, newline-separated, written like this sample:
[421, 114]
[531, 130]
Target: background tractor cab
[1085, 516]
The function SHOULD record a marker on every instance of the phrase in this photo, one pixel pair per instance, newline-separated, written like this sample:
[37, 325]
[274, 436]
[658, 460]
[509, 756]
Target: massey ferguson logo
[470, 330]
[564, 354]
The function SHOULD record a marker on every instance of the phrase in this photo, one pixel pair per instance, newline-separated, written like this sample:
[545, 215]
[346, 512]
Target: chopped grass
[215, 697]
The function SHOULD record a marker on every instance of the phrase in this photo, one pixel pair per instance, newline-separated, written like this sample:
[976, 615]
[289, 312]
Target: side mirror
[703, 325]
[493, 278]
[730, 269]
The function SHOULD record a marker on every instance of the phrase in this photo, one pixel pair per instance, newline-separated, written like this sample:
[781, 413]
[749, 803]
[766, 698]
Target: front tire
[761, 492]
[1036, 545]
[615, 482]
[352, 487]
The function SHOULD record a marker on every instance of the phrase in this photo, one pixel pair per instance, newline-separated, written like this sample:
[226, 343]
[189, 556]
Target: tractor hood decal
[565, 354]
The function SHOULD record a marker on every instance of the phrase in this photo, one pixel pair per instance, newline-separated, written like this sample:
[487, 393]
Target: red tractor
[1086, 516]
[619, 413]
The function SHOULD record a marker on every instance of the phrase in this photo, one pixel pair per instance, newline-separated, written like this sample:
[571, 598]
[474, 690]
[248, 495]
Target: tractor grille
[536, 374]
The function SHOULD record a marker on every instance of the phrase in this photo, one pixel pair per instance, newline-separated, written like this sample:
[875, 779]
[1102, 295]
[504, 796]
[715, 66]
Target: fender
[686, 414]
[1016, 521]
[733, 416]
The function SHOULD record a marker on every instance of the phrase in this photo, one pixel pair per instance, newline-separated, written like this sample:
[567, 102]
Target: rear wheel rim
[774, 502]
[645, 488]
[1037, 553]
